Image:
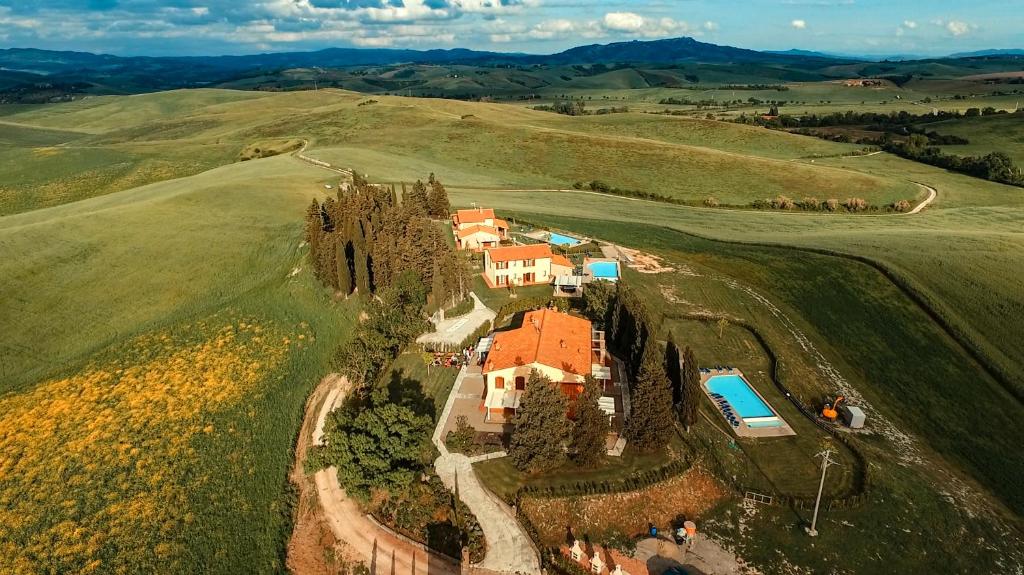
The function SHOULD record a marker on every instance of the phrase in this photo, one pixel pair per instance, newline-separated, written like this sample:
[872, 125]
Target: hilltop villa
[478, 229]
[563, 347]
[518, 265]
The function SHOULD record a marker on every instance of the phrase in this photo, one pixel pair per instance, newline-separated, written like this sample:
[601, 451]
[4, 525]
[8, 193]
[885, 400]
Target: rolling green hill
[127, 221]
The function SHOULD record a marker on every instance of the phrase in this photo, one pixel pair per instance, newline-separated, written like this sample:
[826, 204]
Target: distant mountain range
[84, 72]
[980, 53]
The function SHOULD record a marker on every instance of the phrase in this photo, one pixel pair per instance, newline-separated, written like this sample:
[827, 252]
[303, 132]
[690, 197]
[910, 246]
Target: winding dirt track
[326, 514]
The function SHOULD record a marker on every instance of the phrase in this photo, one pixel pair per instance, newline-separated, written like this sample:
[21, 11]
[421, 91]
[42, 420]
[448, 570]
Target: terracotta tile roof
[477, 229]
[500, 223]
[560, 260]
[472, 216]
[548, 337]
[512, 253]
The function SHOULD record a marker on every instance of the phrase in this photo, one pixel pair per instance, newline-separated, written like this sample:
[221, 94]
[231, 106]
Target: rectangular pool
[563, 240]
[743, 399]
[604, 270]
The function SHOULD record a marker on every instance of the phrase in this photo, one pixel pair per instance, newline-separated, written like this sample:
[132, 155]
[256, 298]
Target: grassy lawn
[169, 317]
[501, 477]
[784, 465]
[494, 298]
[462, 308]
[434, 385]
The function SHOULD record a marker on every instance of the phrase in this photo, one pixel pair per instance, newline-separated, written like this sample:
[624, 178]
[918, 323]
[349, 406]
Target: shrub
[461, 440]
[711, 202]
[901, 206]
[831, 204]
[855, 204]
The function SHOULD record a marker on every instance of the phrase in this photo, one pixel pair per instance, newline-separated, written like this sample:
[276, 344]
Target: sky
[212, 27]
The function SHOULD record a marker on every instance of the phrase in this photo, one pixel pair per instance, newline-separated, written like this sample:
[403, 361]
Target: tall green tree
[384, 446]
[342, 269]
[360, 265]
[673, 370]
[418, 201]
[598, 299]
[651, 418]
[691, 389]
[539, 426]
[590, 430]
[437, 200]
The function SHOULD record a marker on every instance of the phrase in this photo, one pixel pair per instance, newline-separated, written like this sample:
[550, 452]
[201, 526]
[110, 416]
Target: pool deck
[744, 430]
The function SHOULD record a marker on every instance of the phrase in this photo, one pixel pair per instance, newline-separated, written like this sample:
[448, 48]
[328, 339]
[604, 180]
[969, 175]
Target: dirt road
[330, 528]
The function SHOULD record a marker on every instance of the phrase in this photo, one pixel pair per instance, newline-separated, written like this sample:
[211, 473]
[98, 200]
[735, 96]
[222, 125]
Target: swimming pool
[743, 399]
[563, 240]
[604, 270]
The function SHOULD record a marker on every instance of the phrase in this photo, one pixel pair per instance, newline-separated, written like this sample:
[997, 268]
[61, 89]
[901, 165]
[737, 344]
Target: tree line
[362, 239]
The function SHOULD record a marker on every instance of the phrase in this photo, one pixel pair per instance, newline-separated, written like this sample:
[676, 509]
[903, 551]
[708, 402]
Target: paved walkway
[509, 548]
[455, 330]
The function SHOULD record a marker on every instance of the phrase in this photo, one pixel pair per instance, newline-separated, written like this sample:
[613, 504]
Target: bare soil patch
[597, 516]
[313, 549]
[645, 263]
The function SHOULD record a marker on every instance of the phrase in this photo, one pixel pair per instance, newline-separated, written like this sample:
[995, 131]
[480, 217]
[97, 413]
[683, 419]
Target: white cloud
[958, 28]
[623, 21]
[710, 26]
[909, 24]
[373, 41]
[798, 24]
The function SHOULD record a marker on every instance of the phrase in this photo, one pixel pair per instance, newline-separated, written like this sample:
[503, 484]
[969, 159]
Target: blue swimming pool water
[740, 396]
[605, 270]
[561, 240]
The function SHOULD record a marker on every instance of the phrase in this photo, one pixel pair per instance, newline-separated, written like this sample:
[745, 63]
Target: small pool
[563, 240]
[605, 271]
[743, 399]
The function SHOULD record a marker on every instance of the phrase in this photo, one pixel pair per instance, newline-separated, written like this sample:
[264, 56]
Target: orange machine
[829, 411]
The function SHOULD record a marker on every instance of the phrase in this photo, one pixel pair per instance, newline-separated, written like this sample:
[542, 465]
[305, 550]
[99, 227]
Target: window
[501, 265]
[501, 280]
[520, 382]
[499, 383]
[529, 263]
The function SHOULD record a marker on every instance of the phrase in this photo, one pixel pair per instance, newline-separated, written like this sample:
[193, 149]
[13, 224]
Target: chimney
[561, 343]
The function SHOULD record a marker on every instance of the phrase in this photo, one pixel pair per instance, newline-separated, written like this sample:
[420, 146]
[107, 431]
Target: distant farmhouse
[518, 265]
[563, 347]
[478, 229]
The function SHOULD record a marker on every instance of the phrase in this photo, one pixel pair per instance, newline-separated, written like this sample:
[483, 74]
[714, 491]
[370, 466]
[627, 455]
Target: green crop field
[133, 240]
[118, 304]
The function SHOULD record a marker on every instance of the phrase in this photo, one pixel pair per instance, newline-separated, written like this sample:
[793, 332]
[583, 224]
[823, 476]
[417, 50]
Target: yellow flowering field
[99, 471]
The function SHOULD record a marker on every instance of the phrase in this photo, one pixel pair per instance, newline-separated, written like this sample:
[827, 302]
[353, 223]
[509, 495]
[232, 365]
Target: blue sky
[193, 27]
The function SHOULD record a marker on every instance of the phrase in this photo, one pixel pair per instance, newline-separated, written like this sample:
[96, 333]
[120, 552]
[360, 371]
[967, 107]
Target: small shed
[852, 415]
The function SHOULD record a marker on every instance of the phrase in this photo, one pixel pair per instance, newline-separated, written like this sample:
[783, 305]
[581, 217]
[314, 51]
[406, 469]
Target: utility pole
[826, 460]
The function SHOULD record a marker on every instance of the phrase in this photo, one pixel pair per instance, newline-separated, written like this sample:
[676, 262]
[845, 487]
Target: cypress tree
[359, 265]
[437, 287]
[438, 200]
[690, 389]
[590, 431]
[418, 201]
[673, 371]
[539, 426]
[314, 230]
[342, 267]
[650, 423]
